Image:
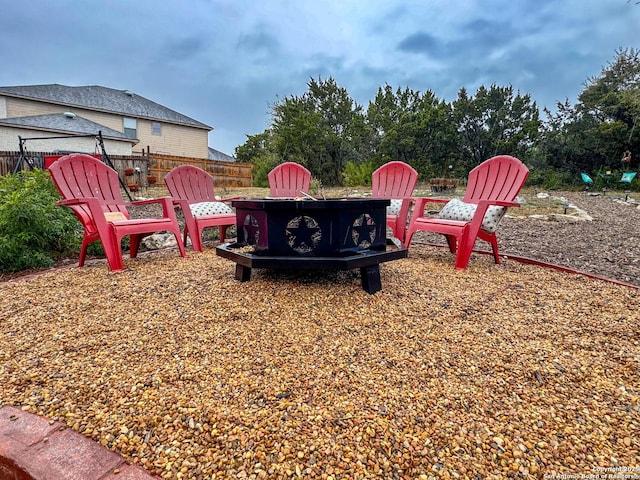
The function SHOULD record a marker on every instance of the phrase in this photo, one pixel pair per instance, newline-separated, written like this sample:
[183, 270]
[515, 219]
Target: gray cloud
[423, 43]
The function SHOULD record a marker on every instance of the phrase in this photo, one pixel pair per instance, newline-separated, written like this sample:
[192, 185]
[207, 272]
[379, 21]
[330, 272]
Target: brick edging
[36, 448]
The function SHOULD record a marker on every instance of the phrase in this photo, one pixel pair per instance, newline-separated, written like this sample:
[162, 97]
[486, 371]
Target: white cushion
[394, 208]
[209, 208]
[458, 210]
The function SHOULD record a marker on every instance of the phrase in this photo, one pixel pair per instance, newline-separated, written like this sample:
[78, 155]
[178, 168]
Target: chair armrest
[230, 199]
[183, 204]
[148, 201]
[420, 202]
[166, 202]
[497, 203]
[96, 211]
[80, 201]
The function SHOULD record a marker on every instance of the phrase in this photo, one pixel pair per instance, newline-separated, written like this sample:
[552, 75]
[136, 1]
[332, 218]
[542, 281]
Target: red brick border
[36, 448]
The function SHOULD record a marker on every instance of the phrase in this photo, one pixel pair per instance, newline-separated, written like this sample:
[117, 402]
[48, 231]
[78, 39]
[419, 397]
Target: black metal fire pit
[340, 234]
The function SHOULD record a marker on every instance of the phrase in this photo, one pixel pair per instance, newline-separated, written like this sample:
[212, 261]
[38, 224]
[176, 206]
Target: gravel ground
[607, 245]
[508, 371]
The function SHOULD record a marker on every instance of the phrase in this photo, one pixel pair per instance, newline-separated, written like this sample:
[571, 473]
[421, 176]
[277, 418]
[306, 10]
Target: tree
[612, 100]
[494, 122]
[412, 127]
[567, 140]
[260, 150]
[320, 129]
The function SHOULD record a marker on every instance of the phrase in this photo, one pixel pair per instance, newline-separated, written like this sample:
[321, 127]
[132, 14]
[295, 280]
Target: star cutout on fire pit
[303, 234]
[363, 231]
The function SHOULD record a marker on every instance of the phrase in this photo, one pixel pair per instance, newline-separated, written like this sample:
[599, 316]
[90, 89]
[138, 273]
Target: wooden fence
[144, 170]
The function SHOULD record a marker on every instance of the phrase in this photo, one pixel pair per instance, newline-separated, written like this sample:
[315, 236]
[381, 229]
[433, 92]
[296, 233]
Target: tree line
[341, 142]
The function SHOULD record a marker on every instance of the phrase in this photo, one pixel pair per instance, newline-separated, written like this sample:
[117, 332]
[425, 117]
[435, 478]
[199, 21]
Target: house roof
[95, 97]
[65, 124]
[218, 155]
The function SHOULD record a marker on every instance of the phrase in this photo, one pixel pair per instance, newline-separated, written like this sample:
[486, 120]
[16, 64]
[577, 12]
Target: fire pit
[340, 234]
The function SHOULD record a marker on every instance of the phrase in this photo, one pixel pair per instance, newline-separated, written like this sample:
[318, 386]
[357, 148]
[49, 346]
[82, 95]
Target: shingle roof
[61, 123]
[95, 97]
[219, 156]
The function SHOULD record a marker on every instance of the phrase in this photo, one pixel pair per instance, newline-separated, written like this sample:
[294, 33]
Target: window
[131, 127]
[156, 128]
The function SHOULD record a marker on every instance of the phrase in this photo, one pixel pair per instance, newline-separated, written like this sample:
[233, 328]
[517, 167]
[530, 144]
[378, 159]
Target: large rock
[160, 240]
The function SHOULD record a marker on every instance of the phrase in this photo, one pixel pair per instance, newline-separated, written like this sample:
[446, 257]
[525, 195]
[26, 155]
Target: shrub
[356, 175]
[261, 167]
[33, 231]
[549, 179]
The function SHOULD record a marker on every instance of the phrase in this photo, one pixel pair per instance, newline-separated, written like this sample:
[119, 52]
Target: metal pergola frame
[105, 157]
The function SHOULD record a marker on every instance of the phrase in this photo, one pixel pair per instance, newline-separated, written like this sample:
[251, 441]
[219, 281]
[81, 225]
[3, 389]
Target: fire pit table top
[310, 203]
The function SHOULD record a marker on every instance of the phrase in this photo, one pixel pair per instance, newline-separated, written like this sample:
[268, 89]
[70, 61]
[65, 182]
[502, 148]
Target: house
[127, 121]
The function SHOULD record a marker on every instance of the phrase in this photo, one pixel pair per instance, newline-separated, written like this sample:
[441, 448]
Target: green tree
[260, 151]
[412, 127]
[612, 101]
[494, 121]
[567, 139]
[322, 129]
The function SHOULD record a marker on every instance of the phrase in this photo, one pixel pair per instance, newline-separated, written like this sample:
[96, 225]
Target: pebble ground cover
[499, 371]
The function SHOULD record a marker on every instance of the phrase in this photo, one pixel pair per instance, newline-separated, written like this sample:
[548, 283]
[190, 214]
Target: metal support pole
[107, 160]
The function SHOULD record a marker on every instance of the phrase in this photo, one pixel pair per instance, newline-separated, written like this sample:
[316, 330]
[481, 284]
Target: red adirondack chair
[288, 180]
[192, 189]
[92, 191]
[492, 186]
[395, 181]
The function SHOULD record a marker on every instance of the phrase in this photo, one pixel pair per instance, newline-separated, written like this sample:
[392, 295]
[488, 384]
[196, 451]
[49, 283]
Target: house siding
[190, 142]
[175, 139]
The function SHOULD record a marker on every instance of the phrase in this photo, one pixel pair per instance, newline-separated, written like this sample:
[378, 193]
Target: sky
[224, 62]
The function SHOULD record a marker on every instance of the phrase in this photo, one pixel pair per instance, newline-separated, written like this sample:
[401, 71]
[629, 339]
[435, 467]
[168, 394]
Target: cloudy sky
[223, 62]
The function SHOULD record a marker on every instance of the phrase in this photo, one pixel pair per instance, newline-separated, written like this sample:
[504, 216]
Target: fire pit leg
[370, 278]
[243, 273]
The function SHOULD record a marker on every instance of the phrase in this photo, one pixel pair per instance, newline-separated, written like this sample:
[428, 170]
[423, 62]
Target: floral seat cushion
[458, 210]
[209, 208]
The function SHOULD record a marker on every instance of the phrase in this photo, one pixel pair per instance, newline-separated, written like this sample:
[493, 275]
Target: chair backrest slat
[288, 180]
[499, 178]
[191, 183]
[80, 175]
[394, 180]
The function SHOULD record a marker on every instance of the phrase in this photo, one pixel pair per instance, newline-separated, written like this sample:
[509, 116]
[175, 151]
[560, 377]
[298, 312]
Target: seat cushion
[394, 207]
[458, 210]
[209, 208]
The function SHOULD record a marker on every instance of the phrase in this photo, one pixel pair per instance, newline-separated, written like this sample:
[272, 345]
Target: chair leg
[397, 229]
[176, 233]
[452, 241]
[494, 247]
[407, 237]
[465, 248]
[113, 252]
[83, 251]
[223, 233]
[196, 239]
[134, 244]
[184, 238]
